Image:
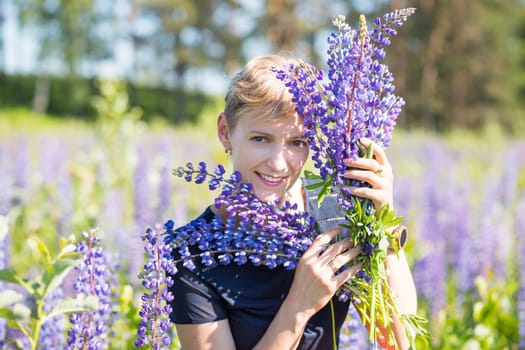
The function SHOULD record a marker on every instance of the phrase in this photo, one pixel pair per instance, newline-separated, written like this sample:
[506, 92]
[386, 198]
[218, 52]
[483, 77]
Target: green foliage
[461, 66]
[24, 310]
[487, 321]
[71, 99]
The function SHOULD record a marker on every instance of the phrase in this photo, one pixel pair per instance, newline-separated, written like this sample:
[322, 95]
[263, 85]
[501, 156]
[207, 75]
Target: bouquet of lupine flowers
[355, 101]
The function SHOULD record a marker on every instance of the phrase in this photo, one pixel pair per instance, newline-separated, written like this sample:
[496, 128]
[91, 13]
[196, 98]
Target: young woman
[248, 307]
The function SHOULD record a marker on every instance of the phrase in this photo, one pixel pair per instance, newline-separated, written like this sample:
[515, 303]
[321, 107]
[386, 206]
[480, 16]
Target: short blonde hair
[256, 92]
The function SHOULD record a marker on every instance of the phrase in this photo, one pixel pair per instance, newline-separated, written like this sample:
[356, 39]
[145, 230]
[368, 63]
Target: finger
[378, 196]
[378, 151]
[335, 249]
[373, 165]
[345, 275]
[370, 177]
[345, 257]
[322, 240]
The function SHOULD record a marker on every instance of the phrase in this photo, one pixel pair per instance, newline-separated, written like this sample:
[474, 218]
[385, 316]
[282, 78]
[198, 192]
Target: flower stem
[356, 74]
[372, 332]
[332, 312]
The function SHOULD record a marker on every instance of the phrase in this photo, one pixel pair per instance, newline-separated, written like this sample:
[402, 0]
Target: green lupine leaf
[314, 185]
[10, 276]
[4, 227]
[15, 312]
[81, 303]
[67, 252]
[53, 279]
[327, 188]
[42, 248]
[312, 176]
[9, 297]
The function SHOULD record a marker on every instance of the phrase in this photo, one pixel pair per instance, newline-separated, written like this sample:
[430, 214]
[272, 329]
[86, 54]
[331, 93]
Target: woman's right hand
[316, 281]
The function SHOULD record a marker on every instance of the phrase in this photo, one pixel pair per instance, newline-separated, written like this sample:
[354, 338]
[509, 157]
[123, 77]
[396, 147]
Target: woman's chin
[269, 197]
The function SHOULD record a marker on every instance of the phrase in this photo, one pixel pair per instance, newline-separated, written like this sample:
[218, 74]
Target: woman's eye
[258, 138]
[300, 143]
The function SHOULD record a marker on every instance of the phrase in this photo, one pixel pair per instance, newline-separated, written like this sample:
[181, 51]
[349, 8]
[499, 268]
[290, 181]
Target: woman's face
[269, 153]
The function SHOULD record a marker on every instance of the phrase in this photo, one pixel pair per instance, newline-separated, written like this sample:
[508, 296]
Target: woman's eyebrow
[255, 131]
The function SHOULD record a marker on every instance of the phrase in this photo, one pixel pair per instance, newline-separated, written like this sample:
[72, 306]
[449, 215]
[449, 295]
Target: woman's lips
[271, 180]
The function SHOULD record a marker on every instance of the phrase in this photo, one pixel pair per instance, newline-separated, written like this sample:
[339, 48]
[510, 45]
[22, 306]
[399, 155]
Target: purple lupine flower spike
[95, 277]
[155, 323]
[269, 234]
[52, 331]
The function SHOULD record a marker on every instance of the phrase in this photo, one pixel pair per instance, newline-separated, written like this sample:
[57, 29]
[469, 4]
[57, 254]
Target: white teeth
[270, 179]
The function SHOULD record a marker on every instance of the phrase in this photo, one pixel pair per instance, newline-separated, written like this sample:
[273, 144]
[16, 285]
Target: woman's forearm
[403, 289]
[287, 327]
[401, 283]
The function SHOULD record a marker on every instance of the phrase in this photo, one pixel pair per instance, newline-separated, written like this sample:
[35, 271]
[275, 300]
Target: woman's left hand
[377, 172]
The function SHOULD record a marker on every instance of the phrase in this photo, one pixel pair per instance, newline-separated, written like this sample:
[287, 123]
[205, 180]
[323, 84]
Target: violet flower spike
[155, 324]
[52, 331]
[269, 234]
[96, 277]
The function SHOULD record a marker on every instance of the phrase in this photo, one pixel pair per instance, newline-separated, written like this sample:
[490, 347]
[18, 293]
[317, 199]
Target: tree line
[458, 63]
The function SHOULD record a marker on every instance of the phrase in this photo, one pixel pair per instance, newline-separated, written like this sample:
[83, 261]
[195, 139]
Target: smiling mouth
[271, 180]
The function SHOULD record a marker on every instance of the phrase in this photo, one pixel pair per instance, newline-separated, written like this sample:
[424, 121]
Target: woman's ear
[223, 131]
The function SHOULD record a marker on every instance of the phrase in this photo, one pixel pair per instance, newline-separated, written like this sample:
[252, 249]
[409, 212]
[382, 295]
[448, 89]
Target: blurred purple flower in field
[509, 179]
[4, 262]
[354, 335]
[463, 257]
[165, 189]
[65, 198]
[95, 277]
[52, 331]
[180, 209]
[52, 159]
[15, 336]
[492, 233]
[430, 276]
[141, 191]
[21, 164]
[520, 254]
[6, 181]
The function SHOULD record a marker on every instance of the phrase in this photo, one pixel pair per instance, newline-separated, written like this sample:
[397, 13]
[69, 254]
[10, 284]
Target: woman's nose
[278, 159]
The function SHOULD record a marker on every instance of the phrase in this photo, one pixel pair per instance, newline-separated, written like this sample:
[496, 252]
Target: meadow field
[462, 196]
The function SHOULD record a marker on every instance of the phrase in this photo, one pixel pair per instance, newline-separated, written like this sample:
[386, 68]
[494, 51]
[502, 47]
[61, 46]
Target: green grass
[14, 120]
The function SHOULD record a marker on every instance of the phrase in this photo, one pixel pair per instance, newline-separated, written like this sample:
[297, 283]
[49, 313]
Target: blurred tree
[458, 63]
[298, 27]
[520, 76]
[218, 34]
[69, 32]
[193, 34]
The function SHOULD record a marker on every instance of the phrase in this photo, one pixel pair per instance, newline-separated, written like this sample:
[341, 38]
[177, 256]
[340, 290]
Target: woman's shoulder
[206, 216]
